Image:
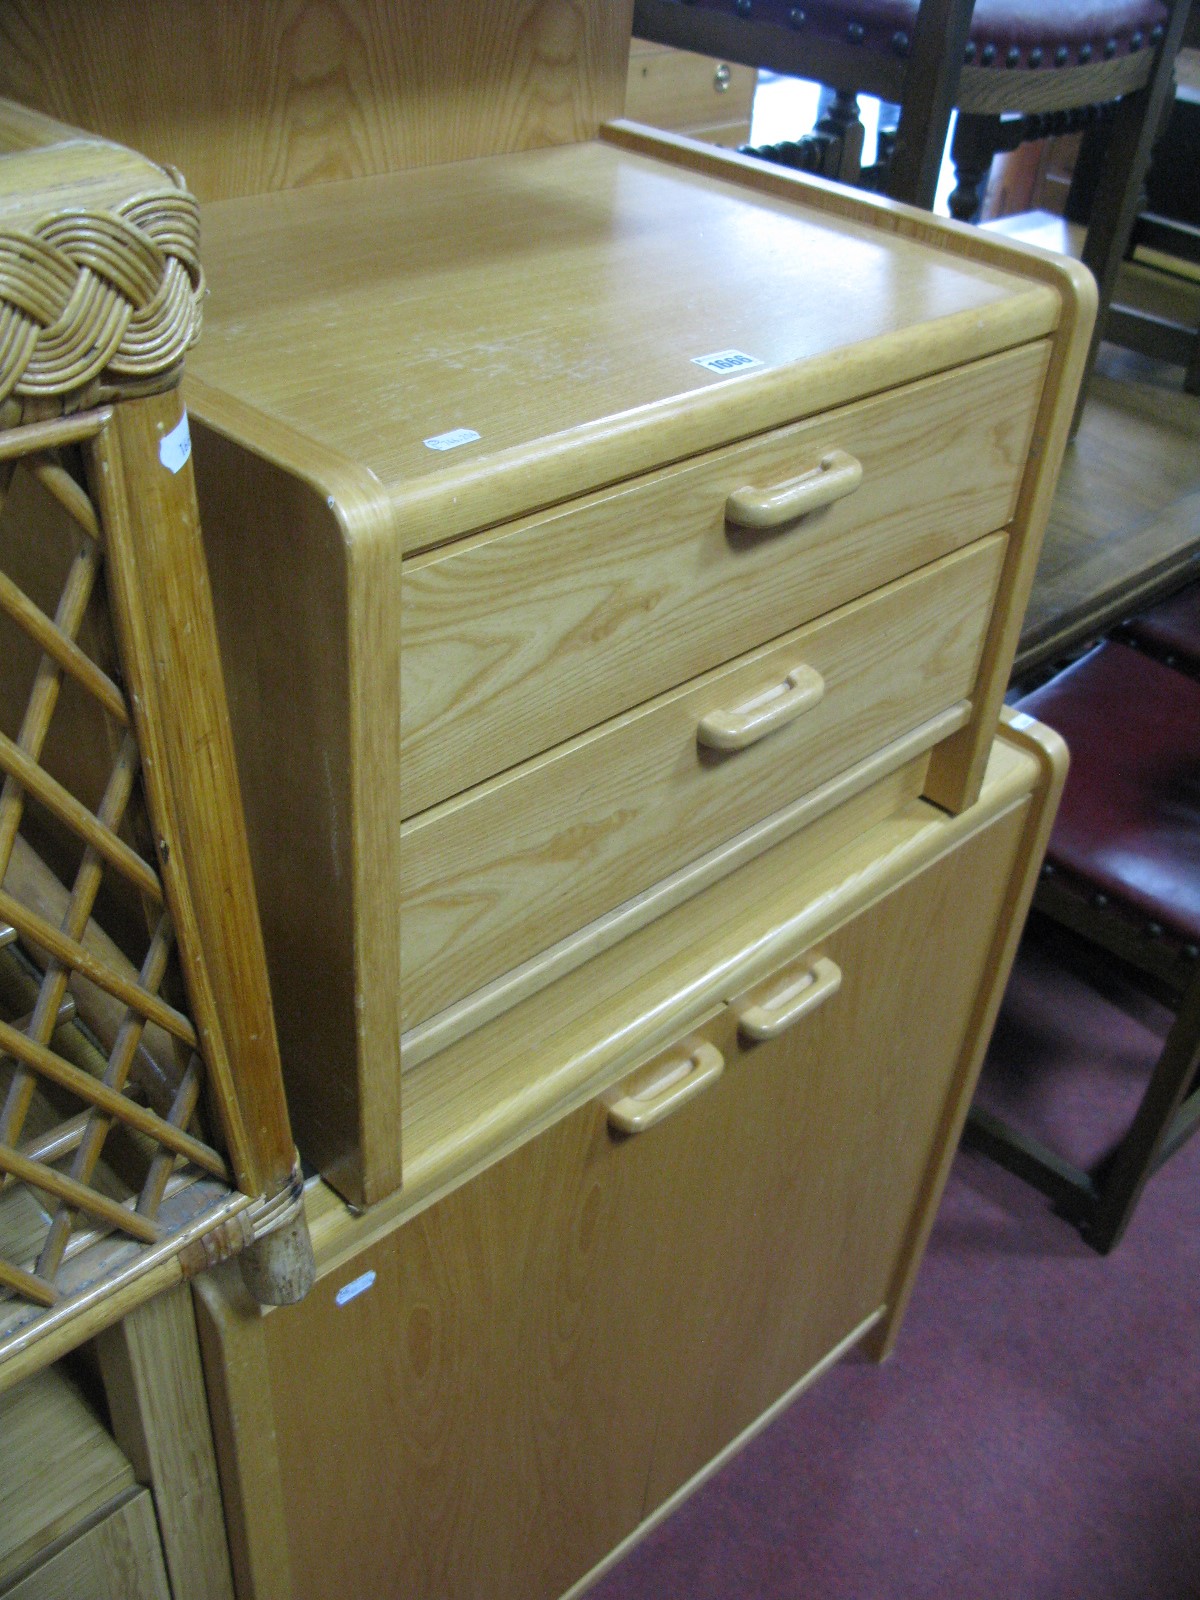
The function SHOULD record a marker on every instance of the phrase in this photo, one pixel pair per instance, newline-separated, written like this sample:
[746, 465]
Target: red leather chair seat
[1129, 824]
[1031, 34]
[1171, 631]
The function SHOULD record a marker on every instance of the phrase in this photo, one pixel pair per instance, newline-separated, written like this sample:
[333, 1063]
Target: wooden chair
[143, 1129]
[1159, 318]
[1015, 69]
[1123, 873]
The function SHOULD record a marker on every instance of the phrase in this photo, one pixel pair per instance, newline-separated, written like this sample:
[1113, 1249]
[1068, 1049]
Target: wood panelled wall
[247, 96]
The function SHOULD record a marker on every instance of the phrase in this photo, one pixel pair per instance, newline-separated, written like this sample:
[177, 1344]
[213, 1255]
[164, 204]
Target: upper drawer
[494, 877]
[517, 639]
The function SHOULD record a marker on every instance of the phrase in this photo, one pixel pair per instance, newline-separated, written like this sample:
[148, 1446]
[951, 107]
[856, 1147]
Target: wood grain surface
[905, 756]
[310, 651]
[415, 293]
[230, 1326]
[60, 1466]
[517, 639]
[163, 616]
[522, 1321]
[555, 303]
[699, 95]
[1049, 751]
[1124, 525]
[49, 166]
[997, 89]
[486, 1089]
[529, 1371]
[117, 1558]
[561, 1045]
[794, 1208]
[150, 1361]
[309, 507]
[956, 775]
[246, 96]
[1125, 522]
[503, 871]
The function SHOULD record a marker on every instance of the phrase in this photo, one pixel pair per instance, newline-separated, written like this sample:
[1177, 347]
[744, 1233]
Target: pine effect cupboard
[618, 554]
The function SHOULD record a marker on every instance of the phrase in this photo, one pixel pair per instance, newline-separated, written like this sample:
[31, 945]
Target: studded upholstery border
[1027, 34]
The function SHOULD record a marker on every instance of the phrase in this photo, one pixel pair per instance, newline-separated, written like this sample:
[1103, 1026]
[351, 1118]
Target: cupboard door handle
[796, 999]
[666, 1090]
[834, 477]
[754, 719]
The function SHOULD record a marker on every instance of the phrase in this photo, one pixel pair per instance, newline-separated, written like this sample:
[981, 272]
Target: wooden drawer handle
[667, 1088]
[834, 477]
[796, 999]
[754, 719]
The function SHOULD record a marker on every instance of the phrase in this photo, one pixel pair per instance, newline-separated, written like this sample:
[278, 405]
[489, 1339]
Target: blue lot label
[352, 1290]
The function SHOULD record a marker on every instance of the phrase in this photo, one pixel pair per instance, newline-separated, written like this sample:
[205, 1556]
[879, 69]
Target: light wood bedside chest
[536, 624]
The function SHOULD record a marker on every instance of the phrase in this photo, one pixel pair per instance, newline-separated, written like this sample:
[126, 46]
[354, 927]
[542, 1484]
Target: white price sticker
[451, 441]
[175, 447]
[725, 361]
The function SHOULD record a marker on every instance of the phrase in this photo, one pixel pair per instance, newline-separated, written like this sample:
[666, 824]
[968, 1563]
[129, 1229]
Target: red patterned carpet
[1036, 1436]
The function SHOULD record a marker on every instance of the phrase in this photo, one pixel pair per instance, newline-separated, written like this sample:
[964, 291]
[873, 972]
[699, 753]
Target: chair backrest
[988, 57]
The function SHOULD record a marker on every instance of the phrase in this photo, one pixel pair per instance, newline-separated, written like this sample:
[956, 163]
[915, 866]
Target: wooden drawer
[497, 875]
[74, 1525]
[117, 1558]
[698, 95]
[593, 1317]
[518, 639]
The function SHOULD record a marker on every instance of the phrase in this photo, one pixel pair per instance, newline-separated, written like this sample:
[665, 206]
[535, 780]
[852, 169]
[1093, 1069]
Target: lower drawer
[503, 1386]
[499, 874]
[116, 1558]
[74, 1524]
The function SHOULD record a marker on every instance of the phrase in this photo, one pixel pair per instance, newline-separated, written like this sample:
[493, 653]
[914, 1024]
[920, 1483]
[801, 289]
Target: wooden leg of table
[151, 1367]
[930, 85]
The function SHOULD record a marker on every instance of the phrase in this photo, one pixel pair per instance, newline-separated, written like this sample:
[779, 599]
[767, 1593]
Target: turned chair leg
[976, 140]
[842, 123]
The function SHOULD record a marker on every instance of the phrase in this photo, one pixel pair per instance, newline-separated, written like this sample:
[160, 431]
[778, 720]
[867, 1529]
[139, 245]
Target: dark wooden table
[1125, 526]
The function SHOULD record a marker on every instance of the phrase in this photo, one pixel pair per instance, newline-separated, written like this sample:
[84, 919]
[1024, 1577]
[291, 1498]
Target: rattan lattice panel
[101, 1082]
[143, 1128]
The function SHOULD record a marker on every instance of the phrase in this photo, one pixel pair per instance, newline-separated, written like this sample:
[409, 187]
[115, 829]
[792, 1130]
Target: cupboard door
[814, 1149]
[475, 1422]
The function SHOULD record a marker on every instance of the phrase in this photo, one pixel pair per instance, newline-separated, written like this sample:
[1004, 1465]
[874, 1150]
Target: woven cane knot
[89, 294]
